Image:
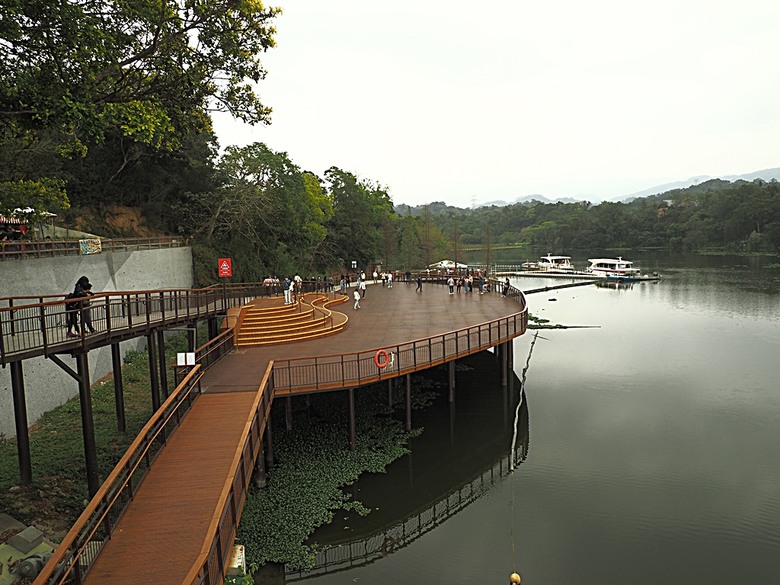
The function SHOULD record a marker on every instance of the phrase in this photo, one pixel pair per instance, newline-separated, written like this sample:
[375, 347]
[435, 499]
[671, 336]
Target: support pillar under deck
[504, 365]
[192, 337]
[269, 443]
[153, 379]
[87, 423]
[163, 365]
[352, 433]
[119, 391]
[212, 327]
[408, 402]
[451, 380]
[288, 412]
[20, 418]
[259, 476]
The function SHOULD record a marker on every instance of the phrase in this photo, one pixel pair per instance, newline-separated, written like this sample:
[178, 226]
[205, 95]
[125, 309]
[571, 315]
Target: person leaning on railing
[75, 305]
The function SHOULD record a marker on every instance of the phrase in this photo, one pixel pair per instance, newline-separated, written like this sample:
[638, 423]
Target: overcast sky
[463, 102]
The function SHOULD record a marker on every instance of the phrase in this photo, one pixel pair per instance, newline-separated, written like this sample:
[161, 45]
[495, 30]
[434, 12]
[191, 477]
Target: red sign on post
[225, 267]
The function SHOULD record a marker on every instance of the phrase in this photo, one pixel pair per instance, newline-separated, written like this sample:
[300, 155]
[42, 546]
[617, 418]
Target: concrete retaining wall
[46, 385]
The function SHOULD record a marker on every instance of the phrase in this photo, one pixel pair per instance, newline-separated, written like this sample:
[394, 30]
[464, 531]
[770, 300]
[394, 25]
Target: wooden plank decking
[162, 532]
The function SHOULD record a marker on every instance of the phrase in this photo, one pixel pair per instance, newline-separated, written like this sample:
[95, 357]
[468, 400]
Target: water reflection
[655, 441]
[439, 479]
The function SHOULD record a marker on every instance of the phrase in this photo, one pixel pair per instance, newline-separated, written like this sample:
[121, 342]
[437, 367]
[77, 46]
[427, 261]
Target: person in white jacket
[356, 294]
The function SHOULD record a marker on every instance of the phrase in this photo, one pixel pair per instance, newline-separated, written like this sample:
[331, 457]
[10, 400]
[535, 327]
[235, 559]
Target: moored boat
[551, 264]
[612, 267]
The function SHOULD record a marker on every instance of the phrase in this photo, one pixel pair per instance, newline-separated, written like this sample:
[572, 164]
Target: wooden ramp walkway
[162, 532]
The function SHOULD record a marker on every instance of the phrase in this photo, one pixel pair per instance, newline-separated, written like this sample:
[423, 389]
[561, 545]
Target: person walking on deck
[286, 289]
[419, 284]
[357, 299]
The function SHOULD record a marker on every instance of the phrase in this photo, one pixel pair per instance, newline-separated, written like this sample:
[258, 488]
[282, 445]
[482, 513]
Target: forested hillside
[716, 216]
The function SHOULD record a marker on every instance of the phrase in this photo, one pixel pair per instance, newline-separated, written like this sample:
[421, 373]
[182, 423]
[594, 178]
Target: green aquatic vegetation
[313, 465]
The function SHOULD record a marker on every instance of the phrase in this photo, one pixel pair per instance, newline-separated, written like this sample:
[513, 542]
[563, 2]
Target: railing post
[108, 316]
[148, 302]
[44, 333]
[12, 314]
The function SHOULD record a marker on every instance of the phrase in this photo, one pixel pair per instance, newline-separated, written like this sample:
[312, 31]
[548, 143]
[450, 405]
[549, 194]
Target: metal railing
[39, 325]
[81, 546]
[359, 368]
[22, 249]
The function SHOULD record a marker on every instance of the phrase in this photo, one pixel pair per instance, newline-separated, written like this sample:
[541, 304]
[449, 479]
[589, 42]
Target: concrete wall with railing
[46, 385]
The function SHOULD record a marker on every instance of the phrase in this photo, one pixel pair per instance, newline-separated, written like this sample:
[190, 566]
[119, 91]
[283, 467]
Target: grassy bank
[59, 493]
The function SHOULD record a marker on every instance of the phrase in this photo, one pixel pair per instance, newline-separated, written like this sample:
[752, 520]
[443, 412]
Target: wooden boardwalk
[161, 534]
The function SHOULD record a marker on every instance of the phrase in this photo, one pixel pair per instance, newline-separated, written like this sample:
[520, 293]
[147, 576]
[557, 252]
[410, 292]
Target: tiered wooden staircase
[309, 318]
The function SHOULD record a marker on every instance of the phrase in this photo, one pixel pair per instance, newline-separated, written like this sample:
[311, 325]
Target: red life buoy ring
[388, 546]
[381, 358]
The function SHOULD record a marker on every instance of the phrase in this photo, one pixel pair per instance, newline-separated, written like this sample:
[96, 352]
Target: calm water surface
[653, 444]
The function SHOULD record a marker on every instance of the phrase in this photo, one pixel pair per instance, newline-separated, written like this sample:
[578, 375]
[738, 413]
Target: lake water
[651, 453]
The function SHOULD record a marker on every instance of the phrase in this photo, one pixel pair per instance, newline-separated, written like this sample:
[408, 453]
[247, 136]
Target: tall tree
[409, 242]
[360, 209]
[151, 68]
[267, 210]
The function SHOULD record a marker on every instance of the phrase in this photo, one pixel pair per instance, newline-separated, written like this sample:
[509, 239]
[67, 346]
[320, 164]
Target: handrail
[209, 567]
[40, 327]
[20, 249]
[327, 313]
[341, 370]
[79, 548]
[212, 350]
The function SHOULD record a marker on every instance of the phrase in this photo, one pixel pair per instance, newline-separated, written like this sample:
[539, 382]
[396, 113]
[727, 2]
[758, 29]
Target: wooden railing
[32, 326]
[359, 368]
[21, 249]
[80, 547]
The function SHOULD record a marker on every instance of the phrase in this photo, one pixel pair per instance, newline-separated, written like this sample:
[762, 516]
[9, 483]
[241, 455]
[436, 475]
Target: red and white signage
[225, 267]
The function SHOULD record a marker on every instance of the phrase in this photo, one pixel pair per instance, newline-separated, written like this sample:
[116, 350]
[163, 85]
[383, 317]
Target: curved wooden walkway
[161, 535]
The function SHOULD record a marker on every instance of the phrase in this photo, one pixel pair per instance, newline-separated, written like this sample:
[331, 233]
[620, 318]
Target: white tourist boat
[612, 268]
[551, 264]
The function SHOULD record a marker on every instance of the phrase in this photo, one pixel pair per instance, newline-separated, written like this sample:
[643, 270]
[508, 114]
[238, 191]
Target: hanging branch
[520, 402]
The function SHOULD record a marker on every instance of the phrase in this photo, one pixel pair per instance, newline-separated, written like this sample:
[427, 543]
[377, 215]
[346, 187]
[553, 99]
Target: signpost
[225, 267]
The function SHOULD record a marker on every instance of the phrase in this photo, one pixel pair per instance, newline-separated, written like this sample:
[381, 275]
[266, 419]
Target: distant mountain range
[766, 175]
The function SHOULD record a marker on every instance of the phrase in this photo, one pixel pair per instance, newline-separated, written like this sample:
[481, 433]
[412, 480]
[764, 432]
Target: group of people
[292, 287]
[78, 304]
[468, 283]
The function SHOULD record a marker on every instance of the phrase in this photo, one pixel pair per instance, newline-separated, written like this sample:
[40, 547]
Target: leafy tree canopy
[151, 68]
[37, 196]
